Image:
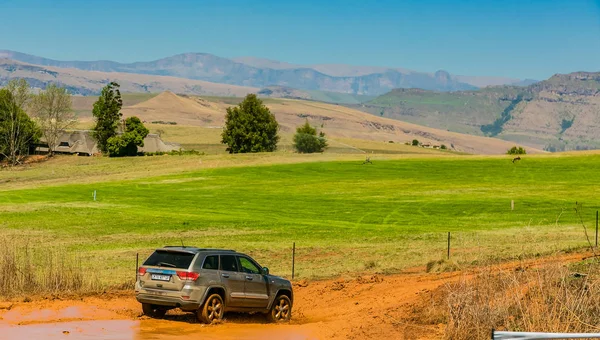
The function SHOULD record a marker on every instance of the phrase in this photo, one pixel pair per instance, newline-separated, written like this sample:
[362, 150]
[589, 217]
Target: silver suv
[210, 282]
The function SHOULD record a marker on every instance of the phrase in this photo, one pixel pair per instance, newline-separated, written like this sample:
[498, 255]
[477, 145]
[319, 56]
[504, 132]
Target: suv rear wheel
[281, 310]
[213, 309]
[153, 311]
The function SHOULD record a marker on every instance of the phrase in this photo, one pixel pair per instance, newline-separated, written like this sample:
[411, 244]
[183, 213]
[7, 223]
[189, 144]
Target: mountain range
[560, 113]
[257, 72]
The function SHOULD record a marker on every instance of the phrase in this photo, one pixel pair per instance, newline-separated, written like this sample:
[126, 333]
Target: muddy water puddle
[150, 330]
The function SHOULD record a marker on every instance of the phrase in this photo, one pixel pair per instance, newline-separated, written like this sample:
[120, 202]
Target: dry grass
[441, 266]
[553, 298]
[38, 270]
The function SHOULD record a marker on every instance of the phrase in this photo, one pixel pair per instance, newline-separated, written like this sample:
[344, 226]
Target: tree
[17, 131]
[415, 142]
[516, 151]
[52, 110]
[107, 112]
[307, 141]
[127, 143]
[250, 127]
[443, 147]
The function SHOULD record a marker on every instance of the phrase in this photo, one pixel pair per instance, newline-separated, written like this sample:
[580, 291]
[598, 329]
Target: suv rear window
[171, 259]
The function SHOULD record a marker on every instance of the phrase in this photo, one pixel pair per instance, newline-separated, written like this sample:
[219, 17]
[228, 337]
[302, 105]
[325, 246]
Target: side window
[211, 262]
[229, 263]
[248, 266]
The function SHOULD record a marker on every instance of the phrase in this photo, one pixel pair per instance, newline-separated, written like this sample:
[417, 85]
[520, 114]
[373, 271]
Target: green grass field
[345, 217]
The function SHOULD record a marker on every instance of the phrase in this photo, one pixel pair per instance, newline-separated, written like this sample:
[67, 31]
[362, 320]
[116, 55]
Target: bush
[307, 141]
[163, 122]
[127, 143]
[415, 142]
[250, 127]
[516, 151]
[443, 147]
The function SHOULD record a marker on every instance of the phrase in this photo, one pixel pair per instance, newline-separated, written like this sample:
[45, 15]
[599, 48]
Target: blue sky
[513, 38]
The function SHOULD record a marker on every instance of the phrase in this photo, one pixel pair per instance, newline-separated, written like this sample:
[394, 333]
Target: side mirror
[265, 271]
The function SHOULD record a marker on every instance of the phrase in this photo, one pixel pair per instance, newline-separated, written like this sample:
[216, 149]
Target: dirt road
[365, 307]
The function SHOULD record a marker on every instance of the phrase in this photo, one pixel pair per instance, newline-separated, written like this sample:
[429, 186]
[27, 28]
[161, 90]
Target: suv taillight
[141, 271]
[188, 276]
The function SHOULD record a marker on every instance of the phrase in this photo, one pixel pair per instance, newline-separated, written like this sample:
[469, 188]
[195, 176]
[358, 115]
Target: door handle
[225, 275]
[249, 278]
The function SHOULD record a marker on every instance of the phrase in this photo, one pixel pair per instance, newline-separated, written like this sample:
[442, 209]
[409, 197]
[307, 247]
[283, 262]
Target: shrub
[307, 141]
[516, 151]
[443, 147]
[127, 143]
[415, 142]
[163, 122]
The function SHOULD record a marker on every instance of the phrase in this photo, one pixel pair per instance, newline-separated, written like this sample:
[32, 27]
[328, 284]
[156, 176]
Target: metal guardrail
[503, 335]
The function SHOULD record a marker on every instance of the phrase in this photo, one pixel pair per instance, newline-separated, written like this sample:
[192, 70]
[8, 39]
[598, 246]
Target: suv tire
[153, 311]
[281, 311]
[212, 310]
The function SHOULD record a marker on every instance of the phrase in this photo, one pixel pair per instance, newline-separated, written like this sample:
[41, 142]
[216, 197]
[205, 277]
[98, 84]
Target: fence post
[293, 259]
[137, 261]
[448, 245]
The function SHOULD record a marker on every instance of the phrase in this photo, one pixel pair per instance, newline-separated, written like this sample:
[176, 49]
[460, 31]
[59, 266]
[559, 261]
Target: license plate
[158, 277]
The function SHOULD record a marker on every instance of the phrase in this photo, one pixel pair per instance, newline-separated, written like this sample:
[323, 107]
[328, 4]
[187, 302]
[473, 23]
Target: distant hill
[561, 113]
[322, 96]
[91, 82]
[261, 73]
[337, 121]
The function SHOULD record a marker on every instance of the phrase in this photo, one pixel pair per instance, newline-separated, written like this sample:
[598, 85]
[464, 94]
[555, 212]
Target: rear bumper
[167, 301]
[171, 298]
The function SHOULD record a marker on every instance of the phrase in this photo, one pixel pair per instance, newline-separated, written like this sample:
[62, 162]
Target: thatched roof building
[82, 142]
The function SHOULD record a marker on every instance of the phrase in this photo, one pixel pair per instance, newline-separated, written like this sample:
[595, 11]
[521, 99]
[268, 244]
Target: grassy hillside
[557, 114]
[83, 105]
[345, 217]
[315, 95]
[338, 122]
[463, 112]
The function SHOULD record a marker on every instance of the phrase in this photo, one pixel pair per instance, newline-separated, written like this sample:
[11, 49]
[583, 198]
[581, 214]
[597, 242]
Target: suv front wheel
[281, 310]
[213, 309]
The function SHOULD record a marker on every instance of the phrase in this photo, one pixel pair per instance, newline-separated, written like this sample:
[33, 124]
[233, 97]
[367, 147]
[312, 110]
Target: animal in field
[368, 161]
[516, 159]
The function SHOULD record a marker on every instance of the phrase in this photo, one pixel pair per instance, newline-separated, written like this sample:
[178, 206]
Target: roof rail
[219, 249]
